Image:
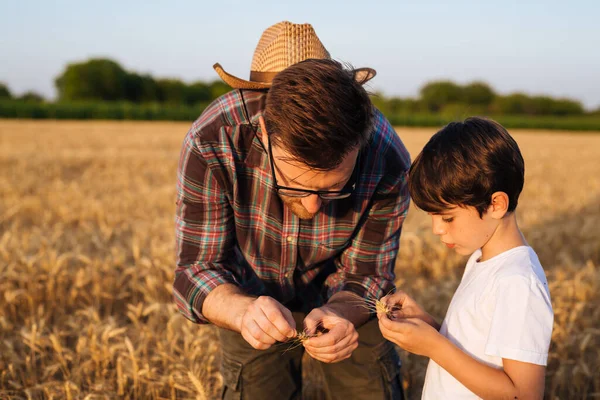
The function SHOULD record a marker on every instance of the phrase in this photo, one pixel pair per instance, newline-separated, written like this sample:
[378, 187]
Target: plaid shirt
[232, 227]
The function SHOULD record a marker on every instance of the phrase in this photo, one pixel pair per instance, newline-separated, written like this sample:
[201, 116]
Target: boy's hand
[337, 342]
[412, 334]
[405, 307]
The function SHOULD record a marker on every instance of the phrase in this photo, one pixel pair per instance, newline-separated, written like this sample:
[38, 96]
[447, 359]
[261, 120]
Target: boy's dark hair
[464, 164]
[318, 112]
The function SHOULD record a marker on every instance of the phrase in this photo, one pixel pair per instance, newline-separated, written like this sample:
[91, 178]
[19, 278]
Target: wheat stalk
[83, 266]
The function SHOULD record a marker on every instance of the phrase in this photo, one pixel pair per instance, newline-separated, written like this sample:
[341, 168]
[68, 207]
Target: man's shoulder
[387, 145]
[232, 109]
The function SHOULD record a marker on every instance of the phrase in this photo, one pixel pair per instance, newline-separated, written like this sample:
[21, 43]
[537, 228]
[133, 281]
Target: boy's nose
[312, 203]
[437, 227]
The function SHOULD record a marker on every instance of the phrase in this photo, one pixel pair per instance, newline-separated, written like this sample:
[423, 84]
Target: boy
[494, 340]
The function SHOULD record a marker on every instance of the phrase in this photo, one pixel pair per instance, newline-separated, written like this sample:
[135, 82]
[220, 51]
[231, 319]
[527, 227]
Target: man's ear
[263, 130]
[499, 205]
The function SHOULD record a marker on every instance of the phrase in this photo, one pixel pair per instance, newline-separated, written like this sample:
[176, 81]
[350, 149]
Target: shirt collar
[255, 104]
[257, 153]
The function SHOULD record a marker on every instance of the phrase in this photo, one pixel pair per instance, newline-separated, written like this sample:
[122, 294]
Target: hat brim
[361, 75]
[238, 83]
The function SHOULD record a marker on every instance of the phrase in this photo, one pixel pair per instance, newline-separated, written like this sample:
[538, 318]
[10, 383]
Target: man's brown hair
[318, 112]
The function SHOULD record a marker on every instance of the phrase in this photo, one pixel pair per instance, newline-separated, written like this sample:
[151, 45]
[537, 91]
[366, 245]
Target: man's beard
[295, 205]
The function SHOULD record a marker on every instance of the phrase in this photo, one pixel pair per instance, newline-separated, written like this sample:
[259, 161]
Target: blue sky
[538, 47]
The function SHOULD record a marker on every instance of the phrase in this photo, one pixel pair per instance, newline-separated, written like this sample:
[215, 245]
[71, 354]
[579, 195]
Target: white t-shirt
[501, 309]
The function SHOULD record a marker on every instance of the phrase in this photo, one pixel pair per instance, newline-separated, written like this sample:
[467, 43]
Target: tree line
[449, 98]
[102, 80]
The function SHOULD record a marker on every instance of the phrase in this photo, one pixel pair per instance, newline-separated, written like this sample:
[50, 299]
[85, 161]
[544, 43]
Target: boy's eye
[448, 219]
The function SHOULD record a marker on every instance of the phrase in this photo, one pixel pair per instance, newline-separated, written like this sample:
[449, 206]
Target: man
[289, 209]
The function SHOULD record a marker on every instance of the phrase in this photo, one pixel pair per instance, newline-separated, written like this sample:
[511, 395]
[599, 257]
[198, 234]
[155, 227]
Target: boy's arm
[519, 380]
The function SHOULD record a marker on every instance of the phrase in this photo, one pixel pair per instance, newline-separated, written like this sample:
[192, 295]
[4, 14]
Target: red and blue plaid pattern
[232, 227]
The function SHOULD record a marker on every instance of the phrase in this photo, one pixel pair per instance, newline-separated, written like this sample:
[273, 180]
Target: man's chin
[297, 208]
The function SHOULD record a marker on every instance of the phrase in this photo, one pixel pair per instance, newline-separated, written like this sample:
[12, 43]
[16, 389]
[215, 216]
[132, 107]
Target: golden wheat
[376, 306]
[87, 260]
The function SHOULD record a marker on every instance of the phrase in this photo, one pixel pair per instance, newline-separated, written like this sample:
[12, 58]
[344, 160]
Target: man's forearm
[225, 306]
[350, 306]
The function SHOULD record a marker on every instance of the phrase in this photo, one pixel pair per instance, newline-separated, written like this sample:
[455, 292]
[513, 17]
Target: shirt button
[289, 239]
[289, 274]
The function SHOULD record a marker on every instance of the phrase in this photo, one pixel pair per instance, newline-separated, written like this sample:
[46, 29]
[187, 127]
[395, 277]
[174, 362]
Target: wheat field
[87, 260]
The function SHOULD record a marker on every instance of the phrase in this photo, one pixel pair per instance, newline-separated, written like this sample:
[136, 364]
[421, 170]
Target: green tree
[218, 88]
[32, 97]
[379, 101]
[399, 105]
[519, 103]
[198, 92]
[171, 91]
[141, 88]
[4, 92]
[567, 107]
[478, 93]
[434, 95]
[96, 79]
[516, 103]
[544, 105]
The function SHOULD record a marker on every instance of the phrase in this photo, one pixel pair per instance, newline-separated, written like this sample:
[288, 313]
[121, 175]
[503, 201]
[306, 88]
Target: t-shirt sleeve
[522, 321]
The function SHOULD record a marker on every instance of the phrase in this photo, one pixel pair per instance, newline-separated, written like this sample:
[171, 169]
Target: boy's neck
[506, 236]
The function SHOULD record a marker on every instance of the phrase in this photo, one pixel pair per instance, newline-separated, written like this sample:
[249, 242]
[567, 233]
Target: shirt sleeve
[522, 321]
[366, 266]
[204, 233]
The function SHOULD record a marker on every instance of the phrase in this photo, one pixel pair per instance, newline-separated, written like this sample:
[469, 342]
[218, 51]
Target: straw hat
[280, 46]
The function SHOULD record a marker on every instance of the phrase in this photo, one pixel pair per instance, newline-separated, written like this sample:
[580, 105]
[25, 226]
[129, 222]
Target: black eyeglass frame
[346, 191]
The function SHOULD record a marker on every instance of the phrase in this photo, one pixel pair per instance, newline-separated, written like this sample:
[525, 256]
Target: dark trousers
[372, 372]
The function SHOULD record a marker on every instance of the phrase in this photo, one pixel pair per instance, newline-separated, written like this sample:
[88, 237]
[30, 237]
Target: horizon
[539, 48]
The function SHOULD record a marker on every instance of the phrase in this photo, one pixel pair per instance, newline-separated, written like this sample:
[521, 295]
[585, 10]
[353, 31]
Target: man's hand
[404, 306]
[412, 334]
[338, 337]
[265, 322]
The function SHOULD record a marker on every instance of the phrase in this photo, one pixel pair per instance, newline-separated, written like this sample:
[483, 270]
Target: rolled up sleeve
[204, 233]
[366, 267]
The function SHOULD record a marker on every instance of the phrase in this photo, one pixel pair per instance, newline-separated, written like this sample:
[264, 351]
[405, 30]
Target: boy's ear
[499, 205]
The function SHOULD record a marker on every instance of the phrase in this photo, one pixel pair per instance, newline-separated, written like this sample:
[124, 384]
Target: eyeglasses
[346, 191]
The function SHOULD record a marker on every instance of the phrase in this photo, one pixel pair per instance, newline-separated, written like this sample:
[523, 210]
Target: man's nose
[312, 203]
